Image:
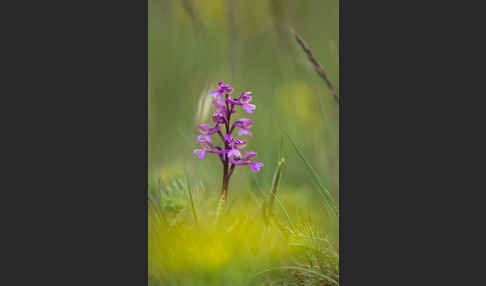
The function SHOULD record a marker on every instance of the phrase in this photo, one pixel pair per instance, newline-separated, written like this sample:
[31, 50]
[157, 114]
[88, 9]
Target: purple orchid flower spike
[232, 150]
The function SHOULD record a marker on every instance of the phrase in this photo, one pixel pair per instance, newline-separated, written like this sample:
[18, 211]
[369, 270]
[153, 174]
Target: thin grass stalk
[326, 195]
[155, 203]
[191, 200]
[317, 66]
[275, 184]
[193, 14]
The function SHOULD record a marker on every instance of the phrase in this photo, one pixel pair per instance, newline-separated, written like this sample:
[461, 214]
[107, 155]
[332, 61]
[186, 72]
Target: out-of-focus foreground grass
[189, 244]
[192, 45]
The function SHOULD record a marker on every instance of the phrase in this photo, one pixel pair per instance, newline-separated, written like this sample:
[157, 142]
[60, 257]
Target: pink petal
[249, 107]
[244, 131]
[246, 122]
[204, 128]
[249, 155]
[201, 153]
[255, 166]
[245, 97]
[204, 138]
[214, 130]
[234, 153]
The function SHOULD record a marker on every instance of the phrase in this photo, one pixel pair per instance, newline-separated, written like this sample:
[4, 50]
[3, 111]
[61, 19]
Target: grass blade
[189, 191]
[275, 183]
[268, 208]
[326, 195]
[155, 203]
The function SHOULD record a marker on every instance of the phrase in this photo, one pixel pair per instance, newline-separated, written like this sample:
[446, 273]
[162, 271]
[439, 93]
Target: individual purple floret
[232, 150]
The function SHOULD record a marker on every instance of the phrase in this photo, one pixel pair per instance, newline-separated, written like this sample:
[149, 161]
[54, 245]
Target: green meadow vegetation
[279, 226]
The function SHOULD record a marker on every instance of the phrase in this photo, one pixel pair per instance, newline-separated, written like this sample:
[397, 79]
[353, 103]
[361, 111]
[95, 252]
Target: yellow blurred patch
[209, 11]
[240, 239]
[249, 17]
[298, 101]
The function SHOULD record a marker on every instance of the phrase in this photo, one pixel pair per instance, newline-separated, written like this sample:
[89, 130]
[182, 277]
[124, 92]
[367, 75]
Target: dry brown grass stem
[319, 69]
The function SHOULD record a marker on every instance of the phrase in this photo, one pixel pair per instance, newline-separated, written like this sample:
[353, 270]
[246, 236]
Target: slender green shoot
[326, 195]
[275, 183]
[191, 200]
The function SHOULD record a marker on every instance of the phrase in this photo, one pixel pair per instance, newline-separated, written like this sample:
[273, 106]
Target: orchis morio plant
[232, 151]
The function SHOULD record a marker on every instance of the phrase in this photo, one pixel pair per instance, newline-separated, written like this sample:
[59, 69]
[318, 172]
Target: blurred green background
[195, 44]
